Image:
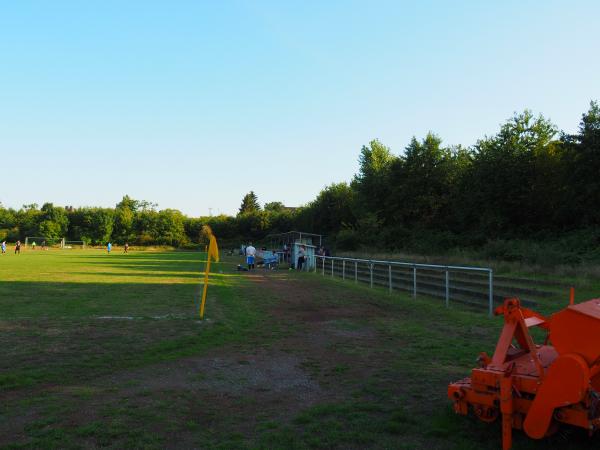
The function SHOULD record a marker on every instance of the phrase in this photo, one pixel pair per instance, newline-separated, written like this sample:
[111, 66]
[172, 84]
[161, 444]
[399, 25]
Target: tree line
[527, 181]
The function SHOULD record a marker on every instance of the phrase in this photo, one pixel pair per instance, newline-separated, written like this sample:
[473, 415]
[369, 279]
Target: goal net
[41, 241]
[72, 244]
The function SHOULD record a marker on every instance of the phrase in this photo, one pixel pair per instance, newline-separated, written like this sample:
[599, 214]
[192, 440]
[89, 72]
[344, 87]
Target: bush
[347, 239]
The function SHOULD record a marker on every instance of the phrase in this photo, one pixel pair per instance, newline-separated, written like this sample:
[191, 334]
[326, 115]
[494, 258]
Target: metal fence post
[402, 266]
[491, 300]
[414, 281]
[447, 288]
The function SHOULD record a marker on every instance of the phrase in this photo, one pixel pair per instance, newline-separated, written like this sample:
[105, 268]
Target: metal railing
[467, 282]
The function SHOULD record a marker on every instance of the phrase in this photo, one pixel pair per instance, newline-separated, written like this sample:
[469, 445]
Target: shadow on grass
[60, 332]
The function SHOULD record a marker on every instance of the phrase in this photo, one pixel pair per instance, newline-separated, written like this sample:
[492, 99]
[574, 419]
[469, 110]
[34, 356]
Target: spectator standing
[301, 257]
[250, 256]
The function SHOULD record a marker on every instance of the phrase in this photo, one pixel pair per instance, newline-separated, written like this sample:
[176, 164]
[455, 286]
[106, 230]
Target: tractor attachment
[536, 388]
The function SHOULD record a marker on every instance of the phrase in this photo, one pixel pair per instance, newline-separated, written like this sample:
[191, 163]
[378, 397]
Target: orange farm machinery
[536, 388]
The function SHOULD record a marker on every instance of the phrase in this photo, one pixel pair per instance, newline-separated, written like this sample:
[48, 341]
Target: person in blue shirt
[108, 247]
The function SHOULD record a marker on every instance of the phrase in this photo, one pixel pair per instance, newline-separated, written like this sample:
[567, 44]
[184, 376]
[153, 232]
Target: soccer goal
[40, 241]
[72, 244]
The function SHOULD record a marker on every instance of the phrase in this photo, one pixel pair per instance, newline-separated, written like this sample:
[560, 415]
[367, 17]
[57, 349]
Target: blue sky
[193, 104]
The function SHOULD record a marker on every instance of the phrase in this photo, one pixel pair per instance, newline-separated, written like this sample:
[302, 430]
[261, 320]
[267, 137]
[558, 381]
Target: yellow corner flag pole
[213, 253]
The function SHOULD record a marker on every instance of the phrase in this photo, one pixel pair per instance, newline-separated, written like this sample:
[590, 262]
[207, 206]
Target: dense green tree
[333, 209]
[124, 218]
[223, 226]
[91, 225]
[582, 170]
[53, 222]
[281, 221]
[170, 228]
[274, 207]
[420, 182]
[253, 225]
[499, 186]
[249, 204]
[371, 183]
[28, 219]
[8, 224]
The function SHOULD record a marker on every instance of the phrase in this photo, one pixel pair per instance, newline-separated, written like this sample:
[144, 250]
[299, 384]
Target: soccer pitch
[107, 351]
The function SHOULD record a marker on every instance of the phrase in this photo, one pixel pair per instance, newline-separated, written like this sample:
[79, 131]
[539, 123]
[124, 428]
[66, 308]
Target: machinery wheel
[486, 414]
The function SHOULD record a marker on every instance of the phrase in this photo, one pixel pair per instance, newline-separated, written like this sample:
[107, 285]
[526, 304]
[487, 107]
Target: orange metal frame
[536, 387]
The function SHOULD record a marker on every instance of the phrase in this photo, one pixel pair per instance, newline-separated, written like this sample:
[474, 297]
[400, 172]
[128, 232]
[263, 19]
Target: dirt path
[320, 340]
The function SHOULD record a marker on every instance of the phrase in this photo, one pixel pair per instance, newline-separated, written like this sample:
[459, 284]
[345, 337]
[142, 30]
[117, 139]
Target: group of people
[44, 247]
[34, 245]
[18, 246]
[323, 251]
[249, 252]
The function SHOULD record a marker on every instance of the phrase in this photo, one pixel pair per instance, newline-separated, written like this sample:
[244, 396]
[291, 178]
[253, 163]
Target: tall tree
[333, 209]
[501, 182]
[124, 218]
[249, 203]
[54, 221]
[372, 181]
[583, 169]
[421, 184]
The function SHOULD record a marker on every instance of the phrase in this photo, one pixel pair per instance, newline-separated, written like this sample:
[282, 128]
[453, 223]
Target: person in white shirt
[250, 256]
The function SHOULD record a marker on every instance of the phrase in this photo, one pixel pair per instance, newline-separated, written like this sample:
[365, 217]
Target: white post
[390, 276]
[356, 271]
[371, 269]
[343, 269]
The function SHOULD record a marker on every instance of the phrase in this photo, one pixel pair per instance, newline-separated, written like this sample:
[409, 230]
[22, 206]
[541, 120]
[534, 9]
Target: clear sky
[191, 104]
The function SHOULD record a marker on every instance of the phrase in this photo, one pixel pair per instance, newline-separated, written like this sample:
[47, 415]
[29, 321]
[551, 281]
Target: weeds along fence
[464, 284]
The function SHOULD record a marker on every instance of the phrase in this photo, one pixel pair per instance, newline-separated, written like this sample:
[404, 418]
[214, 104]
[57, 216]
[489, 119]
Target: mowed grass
[107, 351]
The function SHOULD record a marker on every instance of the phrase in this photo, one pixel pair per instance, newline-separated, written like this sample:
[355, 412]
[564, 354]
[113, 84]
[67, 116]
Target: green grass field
[107, 351]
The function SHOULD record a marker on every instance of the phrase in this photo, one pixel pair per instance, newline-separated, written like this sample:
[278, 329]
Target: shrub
[347, 239]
